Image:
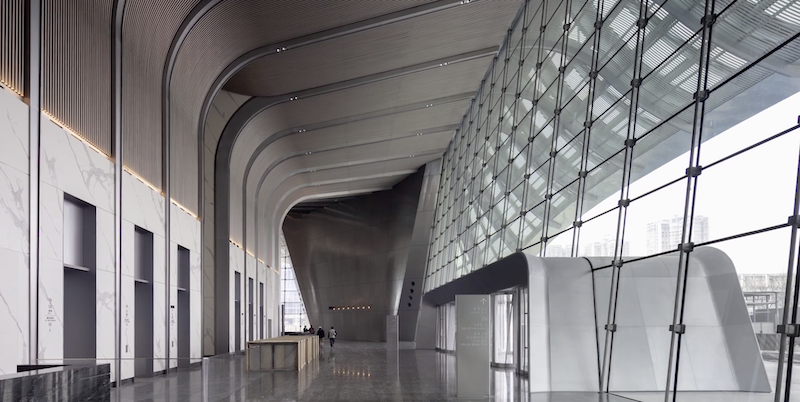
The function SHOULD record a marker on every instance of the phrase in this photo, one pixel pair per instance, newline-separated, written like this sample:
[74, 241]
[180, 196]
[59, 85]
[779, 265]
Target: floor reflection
[353, 371]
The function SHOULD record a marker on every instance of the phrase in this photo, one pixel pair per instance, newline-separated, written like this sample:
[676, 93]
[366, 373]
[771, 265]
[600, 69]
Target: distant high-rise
[604, 248]
[665, 235]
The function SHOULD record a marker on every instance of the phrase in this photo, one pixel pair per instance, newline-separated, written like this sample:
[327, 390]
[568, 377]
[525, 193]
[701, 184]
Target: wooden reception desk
[286, 353]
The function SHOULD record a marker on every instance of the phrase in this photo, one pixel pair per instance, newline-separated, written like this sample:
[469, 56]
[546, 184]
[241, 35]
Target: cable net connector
[678, 328]
[790, 330]
[694, 171]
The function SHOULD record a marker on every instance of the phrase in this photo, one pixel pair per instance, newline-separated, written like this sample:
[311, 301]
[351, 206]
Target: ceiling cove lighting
[184, 209]
[10, 88]
[75, 134]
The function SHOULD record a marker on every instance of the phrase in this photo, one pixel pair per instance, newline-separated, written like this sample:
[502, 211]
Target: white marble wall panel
[159, 259]
[128, 252]
[195, 305]
[69, 164]
[159, 327]
[141, 205]
[208, 327]
[51, 310]
[105, 241]
[13, 310]
[51, 222]
[128, 330]
[105, 285]
[105, 312]
[14, 235]
[195, 317]
[173, 310]
[13, 131]
[173, 326]
[13, 208]
[185, 229]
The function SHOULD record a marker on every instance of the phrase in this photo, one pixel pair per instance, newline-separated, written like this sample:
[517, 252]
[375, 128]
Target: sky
[751, 191]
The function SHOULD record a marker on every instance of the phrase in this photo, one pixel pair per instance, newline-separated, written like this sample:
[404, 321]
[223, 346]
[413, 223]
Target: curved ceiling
[395, 81]
[372, 74]
[427, 37]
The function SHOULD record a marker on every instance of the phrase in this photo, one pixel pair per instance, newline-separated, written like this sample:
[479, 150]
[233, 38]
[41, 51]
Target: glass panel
[562, 209]
[598, 236]
[511, 235]
[515, 203]
[653, 224]
[560, 246]
[720, 194]
[602, 182]
[536, 187]
[532, 226]
[504, 325]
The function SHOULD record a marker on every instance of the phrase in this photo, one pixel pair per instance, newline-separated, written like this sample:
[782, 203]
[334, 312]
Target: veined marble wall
[144, 207]
[70, 166]
[259, 272]
[14, 236]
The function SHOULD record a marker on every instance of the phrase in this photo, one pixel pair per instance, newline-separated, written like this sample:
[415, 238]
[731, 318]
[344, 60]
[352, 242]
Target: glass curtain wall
[446, 327]
[295, 316]
[504, 329]
[585, 139]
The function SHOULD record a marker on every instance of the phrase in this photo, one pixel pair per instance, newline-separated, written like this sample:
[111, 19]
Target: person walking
[311, 330]
[305, 329]
[332, 335]
[321, 335]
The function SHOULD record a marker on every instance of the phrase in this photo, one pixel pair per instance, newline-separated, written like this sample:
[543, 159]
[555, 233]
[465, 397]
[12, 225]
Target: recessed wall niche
[143, 313]
[80, 289]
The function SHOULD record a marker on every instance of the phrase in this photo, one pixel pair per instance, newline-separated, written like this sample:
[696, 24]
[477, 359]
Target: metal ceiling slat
[147, 33]
[427, 37]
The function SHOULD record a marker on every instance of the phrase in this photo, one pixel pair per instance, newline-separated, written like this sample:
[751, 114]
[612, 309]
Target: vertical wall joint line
[32, 92]
[117, 141]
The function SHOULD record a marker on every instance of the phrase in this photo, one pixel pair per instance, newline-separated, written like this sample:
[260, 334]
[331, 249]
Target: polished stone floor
[361, 371]
[352, 371]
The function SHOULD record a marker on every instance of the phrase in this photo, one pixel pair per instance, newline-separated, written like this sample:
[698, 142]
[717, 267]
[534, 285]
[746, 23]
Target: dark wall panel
[355, 253]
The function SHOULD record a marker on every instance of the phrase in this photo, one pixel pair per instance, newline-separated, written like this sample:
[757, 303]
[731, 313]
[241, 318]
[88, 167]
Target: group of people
[321, 334]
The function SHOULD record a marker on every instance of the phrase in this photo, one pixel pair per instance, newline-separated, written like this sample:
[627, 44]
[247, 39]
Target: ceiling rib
[274, 48]
[366, 80]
